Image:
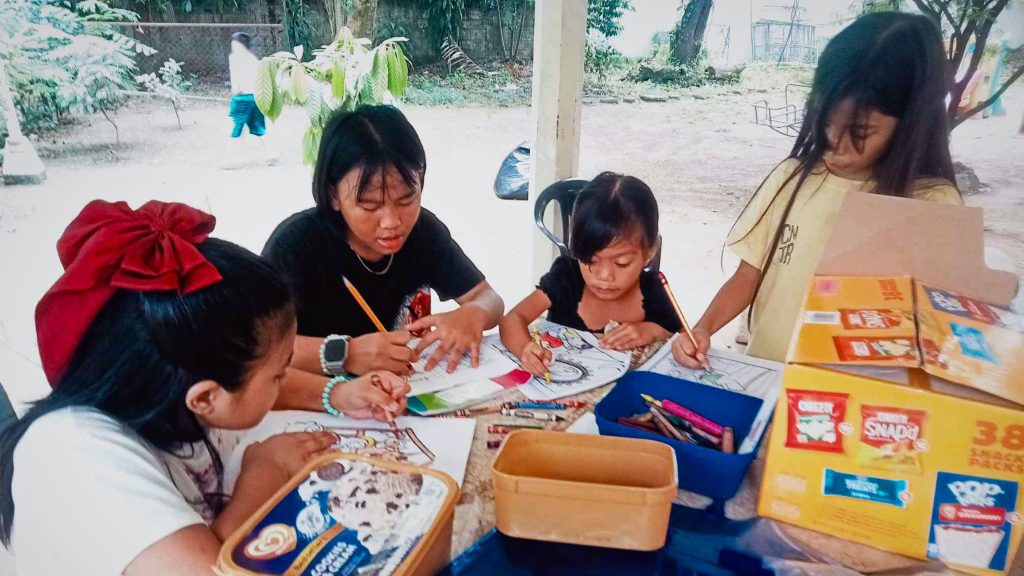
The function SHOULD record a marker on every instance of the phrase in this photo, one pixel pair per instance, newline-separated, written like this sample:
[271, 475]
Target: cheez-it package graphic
[891, 438]
[857, 320]
[816, 420]
[872, 318]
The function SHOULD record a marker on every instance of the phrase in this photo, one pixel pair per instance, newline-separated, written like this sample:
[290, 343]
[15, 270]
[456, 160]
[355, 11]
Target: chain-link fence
[203, 48]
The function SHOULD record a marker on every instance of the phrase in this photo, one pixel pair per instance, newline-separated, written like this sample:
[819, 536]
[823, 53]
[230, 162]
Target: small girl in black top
[613, 237]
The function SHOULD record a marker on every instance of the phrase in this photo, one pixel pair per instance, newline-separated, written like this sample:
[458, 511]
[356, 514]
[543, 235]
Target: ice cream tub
[348, 514]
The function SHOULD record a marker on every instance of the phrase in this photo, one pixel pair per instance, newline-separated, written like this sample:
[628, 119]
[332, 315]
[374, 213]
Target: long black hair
[889, 62]
[373, 139]
[610, 207]
[145, 349]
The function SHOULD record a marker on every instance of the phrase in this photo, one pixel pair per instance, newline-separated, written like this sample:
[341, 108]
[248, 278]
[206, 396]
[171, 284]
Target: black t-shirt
[311, 250]
[563, 285]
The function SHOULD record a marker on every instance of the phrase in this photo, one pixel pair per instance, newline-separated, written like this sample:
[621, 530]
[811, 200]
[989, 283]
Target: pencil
[362, 304]
[376, 381]
[536, 340]
[679, 313]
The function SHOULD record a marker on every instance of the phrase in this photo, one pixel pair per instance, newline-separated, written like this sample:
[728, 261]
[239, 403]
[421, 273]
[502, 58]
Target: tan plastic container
[583, 489]
[298, 554]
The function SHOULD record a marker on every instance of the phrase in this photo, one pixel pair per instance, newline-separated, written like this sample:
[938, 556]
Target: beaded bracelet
[325, 398]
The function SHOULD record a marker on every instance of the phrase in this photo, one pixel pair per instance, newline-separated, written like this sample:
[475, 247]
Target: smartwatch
[333, 354]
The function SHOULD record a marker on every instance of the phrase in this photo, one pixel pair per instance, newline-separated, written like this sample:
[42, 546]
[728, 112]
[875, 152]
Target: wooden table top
[474, 515]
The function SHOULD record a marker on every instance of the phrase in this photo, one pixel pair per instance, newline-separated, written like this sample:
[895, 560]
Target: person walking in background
[244, 113]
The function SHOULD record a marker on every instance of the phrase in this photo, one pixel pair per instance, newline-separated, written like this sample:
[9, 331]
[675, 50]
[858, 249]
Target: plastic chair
[7, 414]
[565, 192]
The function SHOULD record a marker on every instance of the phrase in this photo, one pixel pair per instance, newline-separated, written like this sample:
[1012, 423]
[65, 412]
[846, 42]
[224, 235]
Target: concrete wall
[204, 49]
[479, 39]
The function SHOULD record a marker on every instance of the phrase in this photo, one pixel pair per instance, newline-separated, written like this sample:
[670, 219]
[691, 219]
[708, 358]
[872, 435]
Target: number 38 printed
[988, 434]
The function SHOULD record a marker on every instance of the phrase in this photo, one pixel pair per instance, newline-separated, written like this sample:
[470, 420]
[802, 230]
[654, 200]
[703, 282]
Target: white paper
[729, 371]
[492, 363]
[440, 444]
[586, 424]
[578, 363]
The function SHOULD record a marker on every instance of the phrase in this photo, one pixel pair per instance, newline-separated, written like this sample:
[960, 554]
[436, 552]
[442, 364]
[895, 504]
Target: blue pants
[244, 112]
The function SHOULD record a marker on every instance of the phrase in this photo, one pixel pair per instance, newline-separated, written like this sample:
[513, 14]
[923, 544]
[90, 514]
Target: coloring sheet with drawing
[441, 444]
[730, 371]
[578, 363]
[492, 363]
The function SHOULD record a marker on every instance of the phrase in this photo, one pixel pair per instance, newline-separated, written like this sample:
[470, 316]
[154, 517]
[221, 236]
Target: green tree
[66, 58]
[604, 16]
[341, 76]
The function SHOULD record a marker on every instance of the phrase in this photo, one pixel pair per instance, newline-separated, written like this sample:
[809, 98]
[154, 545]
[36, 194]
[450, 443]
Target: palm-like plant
[341, 76]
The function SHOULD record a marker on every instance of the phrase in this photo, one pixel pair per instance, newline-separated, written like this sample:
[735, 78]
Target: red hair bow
[110, 246]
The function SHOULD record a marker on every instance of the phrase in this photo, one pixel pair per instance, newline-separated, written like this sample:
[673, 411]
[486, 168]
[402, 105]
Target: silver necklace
[391, 260]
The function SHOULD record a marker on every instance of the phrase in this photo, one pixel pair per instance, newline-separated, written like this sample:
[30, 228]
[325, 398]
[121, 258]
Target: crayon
[508, 429]
[692, 417]
[566, 403]
[542, 405]
[668, 429]
[728, 441]
[532, 415]
[633, 423]
[702, 437]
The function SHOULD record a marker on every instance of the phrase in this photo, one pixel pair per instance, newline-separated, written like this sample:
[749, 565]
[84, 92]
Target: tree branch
[928, 11]
[991, 99]
[944, 6]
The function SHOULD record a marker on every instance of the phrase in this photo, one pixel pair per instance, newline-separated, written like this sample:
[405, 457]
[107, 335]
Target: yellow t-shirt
[805, 232]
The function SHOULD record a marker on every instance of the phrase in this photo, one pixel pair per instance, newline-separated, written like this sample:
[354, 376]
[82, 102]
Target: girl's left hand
[633, 335]
[459, 331]
[361, 398]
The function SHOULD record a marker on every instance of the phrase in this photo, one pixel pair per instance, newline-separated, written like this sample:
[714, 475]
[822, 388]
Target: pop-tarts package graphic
[343, 517]
[971, 520]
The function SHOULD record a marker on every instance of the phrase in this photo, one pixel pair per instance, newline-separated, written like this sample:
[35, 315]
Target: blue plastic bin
[701, 470]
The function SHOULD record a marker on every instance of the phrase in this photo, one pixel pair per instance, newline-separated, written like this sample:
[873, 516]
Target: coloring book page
[441, 444]
[578, 363]
[729, 371]
[492, 363]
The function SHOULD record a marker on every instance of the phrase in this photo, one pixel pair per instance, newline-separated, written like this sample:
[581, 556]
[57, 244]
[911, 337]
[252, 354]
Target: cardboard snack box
[899, 467]
[917, 452]
[857, 320]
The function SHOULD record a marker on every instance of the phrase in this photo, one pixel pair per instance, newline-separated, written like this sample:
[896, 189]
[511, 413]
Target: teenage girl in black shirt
[369, 227]
[613, 237]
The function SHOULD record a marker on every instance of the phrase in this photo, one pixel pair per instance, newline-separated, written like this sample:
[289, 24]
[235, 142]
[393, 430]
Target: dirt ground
[701, 154]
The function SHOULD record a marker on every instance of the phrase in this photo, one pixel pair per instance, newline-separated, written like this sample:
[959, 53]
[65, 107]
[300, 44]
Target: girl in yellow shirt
[875, 122]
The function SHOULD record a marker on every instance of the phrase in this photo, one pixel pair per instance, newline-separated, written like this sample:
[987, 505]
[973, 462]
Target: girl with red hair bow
[154, 335]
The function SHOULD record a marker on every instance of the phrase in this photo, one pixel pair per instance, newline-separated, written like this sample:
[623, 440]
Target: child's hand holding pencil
[378, 395]
[535, 358]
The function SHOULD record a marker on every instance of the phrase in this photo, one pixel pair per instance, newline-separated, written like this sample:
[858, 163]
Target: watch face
[335, 350]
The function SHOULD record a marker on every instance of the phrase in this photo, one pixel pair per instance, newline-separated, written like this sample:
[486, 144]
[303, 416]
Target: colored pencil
[362, 304]
[536, 340]
[376, 381]
[682, 318]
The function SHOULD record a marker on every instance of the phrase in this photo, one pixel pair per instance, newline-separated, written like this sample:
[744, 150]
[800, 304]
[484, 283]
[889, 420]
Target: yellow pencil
[679, 313]
[536, 340]
[362, 304]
